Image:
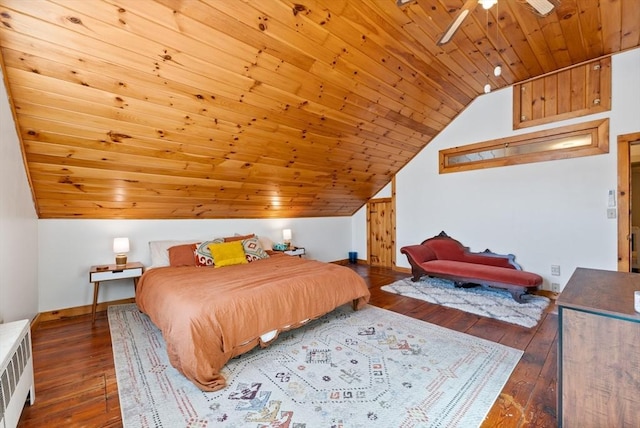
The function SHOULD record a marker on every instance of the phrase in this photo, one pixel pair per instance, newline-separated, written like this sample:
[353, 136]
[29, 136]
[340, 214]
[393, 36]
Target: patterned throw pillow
[253, 250]
[202, 253]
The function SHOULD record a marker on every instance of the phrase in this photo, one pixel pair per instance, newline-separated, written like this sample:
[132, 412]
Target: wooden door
[380, 224]
[624, 199]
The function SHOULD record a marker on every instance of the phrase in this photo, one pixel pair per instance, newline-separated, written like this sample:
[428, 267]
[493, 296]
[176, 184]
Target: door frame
[393, 225]
[624, 199]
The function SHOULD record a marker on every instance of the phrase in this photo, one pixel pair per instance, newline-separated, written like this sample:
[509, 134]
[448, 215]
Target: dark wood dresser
[599, 350]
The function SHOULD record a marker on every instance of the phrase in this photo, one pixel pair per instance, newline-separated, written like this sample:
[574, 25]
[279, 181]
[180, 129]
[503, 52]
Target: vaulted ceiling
[265, 108]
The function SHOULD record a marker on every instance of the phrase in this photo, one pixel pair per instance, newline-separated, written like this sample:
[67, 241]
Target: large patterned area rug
[371, 368]
[492, 303]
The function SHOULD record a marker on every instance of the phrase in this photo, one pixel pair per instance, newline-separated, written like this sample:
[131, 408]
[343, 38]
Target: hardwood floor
[76, 381]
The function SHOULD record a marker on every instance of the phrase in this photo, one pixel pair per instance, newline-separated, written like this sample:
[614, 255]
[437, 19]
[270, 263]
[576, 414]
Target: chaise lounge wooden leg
[517, 294]
[515, 291]
[416, 274]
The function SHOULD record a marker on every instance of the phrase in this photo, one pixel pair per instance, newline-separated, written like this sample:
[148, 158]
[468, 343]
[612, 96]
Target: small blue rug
[491, 303]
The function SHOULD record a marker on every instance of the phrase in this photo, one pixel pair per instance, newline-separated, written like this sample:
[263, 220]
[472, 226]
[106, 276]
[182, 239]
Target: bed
[208, 316]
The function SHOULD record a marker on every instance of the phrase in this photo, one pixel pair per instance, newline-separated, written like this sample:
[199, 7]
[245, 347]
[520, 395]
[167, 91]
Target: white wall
[359, 225]
[18, 226]
[545, 213]
[68, 248]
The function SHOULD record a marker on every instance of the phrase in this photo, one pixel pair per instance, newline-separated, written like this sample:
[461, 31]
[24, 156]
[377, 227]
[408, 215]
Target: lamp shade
[286, 235]
[120, 245]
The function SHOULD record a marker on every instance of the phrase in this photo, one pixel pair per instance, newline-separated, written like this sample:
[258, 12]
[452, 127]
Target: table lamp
[121, 247]
[286, 237]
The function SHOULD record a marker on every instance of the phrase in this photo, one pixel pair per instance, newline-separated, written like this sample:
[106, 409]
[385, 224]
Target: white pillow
[266, 243]
[160, 251]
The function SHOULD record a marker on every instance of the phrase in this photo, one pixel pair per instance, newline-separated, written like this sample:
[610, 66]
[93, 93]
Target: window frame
[598, 130]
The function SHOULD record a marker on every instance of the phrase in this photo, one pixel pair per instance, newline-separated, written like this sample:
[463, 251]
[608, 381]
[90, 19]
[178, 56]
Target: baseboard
[35, 322]
[364, 262]
[75, 311]
[345, 262]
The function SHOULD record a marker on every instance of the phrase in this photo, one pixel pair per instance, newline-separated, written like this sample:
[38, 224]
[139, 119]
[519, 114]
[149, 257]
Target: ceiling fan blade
[457, 21]
[541, 7]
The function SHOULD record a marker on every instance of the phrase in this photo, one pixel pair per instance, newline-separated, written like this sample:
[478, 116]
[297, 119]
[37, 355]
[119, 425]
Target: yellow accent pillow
[228, 253]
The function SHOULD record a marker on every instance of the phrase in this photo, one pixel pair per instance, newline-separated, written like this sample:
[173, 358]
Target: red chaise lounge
[444, 257]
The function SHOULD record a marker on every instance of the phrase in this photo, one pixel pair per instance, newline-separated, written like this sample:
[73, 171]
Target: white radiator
[16, 371]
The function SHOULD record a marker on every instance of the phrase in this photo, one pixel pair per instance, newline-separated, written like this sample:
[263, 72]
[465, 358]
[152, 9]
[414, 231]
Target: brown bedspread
[207, 316]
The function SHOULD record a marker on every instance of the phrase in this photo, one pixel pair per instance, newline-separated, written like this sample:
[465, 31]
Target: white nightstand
[295, 252]
[100, 273]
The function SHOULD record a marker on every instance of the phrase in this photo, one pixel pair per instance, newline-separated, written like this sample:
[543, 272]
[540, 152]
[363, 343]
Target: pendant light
[497, 71]
[486, 4]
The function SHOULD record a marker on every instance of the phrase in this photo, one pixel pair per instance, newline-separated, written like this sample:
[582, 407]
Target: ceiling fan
[539, 7]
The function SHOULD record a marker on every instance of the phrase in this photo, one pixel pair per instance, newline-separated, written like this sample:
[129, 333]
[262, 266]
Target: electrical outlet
[555, 270]
[555, 287]
[611, 213]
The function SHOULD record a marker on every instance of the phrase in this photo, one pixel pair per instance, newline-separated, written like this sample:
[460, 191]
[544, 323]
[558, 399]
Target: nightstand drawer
[116, 274]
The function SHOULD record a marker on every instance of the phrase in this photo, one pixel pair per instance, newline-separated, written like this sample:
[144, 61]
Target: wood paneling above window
[574, 92]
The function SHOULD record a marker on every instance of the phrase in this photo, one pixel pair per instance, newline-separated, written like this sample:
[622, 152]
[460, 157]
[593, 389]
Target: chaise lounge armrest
[418, 253]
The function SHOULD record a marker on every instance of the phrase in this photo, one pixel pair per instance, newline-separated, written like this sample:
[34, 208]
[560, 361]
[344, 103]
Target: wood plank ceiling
[265, 108]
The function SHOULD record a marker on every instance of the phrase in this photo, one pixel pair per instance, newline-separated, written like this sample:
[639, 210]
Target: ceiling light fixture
[487, 4]
[497, 71]
[487, 86]
[539, 7]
